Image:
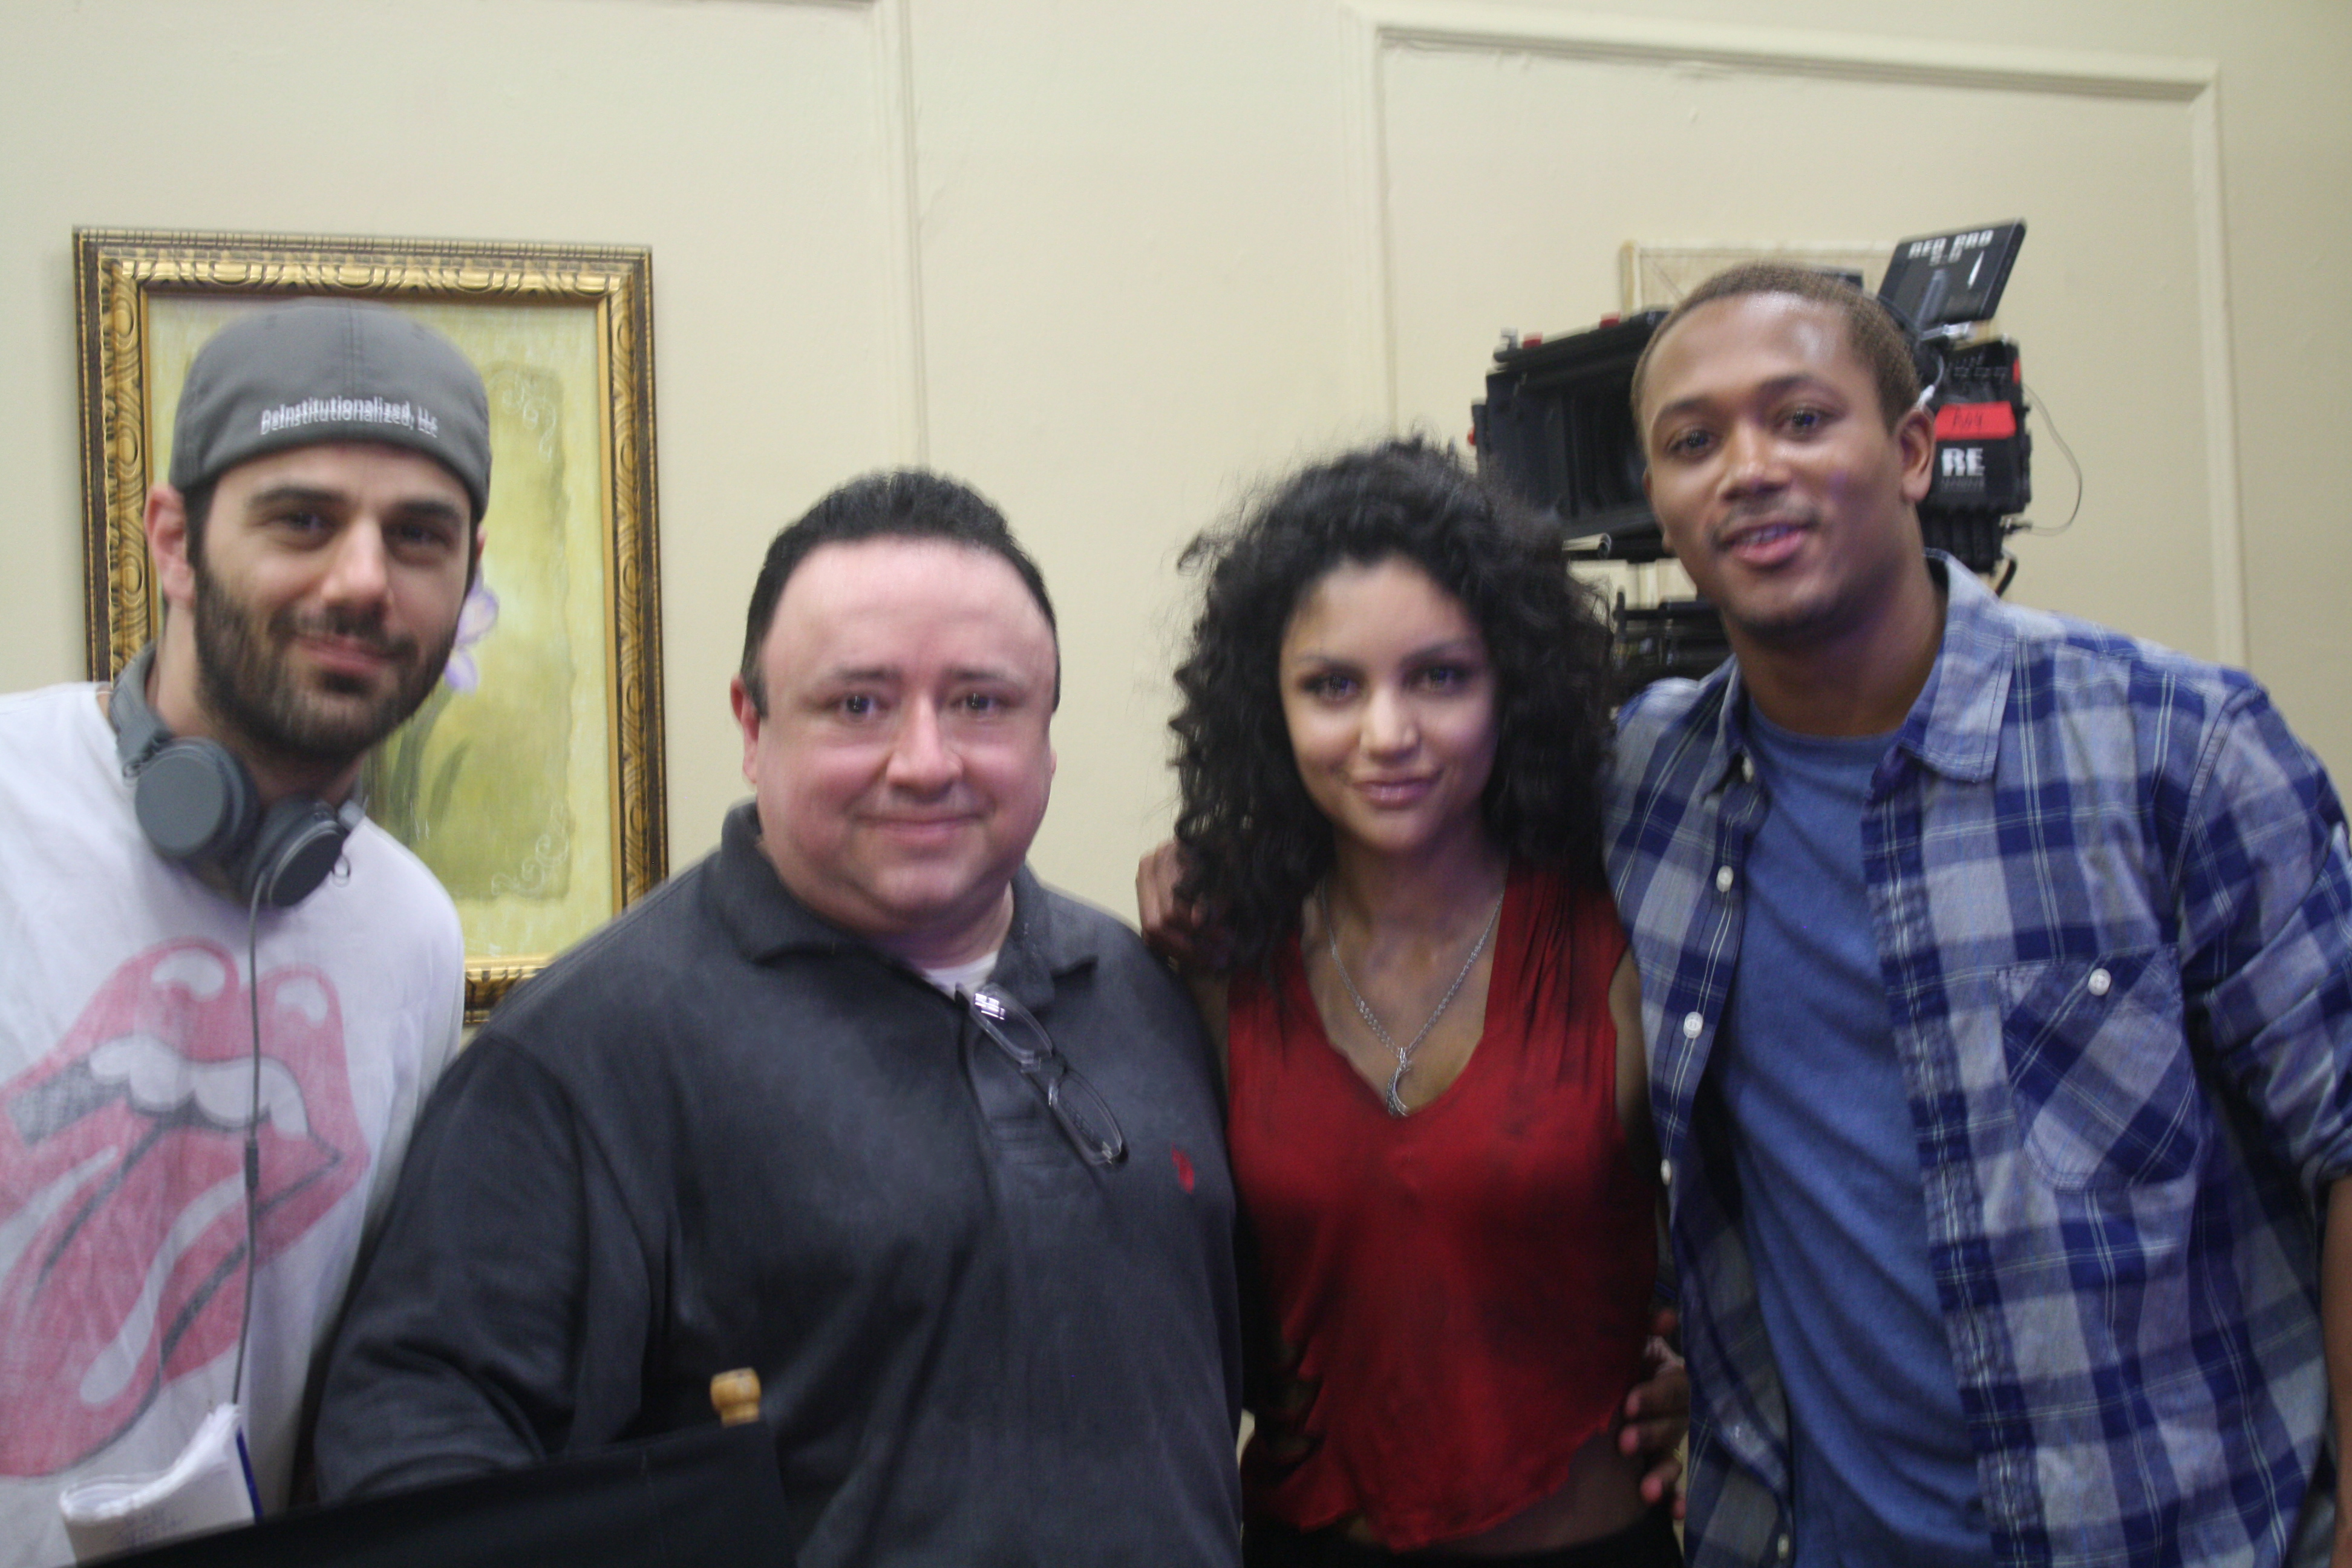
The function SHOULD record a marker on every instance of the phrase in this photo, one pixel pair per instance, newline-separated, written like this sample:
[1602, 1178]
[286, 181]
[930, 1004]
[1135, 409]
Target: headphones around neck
[197, 803]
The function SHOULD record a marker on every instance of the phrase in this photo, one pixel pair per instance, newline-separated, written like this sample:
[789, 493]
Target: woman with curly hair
[1395, 710]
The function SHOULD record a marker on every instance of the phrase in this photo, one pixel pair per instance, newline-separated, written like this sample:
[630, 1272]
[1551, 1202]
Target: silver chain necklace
[1364, 1009]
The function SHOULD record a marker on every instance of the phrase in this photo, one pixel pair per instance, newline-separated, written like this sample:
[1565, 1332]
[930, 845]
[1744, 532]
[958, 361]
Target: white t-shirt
[125, 1082]
[968, 977]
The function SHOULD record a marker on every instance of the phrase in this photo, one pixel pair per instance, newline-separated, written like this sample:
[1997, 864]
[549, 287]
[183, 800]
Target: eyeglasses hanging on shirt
[1083, 1116]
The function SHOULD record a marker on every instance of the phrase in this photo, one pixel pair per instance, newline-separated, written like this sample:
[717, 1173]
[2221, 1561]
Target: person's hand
[1171, 928]
[1657, 1415]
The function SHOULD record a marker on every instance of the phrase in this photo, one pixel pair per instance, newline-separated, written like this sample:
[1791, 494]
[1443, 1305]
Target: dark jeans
[1649, 1542]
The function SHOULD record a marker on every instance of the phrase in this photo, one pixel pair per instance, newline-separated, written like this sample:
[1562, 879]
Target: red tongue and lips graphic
[122, 1193]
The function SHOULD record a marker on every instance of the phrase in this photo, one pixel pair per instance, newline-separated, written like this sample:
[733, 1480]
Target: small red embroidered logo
[1183, 1166]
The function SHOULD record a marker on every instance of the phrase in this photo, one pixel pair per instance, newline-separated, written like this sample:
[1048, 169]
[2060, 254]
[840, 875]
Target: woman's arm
[1632, 1067]
[1657, 1414]
[1175, 930]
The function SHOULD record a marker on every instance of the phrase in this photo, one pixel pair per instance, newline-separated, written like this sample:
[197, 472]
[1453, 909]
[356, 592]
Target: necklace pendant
[1395, 1101]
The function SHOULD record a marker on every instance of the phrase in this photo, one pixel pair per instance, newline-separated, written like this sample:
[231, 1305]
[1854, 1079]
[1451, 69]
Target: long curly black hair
[1255, 843]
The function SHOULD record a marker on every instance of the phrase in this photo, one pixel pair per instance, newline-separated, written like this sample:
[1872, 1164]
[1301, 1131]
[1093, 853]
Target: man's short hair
[1870, 330]
[196, 501]
[904, 503]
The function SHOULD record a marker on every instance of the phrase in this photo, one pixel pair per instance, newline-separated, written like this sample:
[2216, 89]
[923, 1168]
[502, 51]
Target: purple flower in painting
[475, 619]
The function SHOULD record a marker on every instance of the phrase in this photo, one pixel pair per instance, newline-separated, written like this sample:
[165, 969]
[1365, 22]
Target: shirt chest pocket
[2106, 1094]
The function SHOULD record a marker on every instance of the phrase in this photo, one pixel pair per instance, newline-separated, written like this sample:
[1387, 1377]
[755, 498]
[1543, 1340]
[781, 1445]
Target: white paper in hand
[208, 1486]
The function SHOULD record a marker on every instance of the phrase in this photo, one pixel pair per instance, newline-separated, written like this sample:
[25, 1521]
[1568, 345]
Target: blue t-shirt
[1829, 1178]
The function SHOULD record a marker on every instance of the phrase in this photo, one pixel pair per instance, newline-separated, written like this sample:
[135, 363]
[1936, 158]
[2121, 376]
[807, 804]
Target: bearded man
[223, 992]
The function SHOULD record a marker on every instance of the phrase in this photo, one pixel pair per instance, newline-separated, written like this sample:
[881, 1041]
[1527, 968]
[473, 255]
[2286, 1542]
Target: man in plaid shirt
[1998, 977]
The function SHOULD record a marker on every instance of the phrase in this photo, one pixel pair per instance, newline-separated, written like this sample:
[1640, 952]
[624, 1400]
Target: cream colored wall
[1111, 261]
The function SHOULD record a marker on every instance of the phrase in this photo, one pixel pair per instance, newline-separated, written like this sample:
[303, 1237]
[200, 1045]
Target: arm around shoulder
[1183, 940]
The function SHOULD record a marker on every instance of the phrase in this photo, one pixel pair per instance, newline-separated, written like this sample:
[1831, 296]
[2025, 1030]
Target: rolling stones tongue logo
[122, 1192]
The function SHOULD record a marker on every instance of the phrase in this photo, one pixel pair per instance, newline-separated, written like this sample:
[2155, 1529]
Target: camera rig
[1557, 429]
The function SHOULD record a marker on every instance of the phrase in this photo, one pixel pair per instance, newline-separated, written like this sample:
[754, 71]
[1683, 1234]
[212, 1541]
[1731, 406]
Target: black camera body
[1983, 474]
[1557, 430]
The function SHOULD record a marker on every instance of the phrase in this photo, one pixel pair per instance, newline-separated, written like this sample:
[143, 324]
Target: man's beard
[248, 688]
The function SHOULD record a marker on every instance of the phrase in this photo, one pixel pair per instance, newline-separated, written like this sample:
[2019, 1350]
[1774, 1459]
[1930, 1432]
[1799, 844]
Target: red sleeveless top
[1461, 1294]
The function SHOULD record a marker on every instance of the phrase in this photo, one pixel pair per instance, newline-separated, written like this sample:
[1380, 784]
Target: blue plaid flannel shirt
[2113, 904]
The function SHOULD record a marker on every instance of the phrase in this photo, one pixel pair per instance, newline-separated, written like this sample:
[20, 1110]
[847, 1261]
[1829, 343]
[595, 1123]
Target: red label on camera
[1975, 421]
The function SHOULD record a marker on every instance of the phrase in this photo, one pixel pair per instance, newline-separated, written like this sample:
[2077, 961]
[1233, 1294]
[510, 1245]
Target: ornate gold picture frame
[532, 780]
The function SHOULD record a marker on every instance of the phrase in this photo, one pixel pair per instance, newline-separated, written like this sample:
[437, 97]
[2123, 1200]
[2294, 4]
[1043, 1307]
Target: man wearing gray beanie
[223, 992]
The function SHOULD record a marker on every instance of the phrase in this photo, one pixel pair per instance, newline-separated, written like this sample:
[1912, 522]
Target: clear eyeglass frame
[1077, 1107]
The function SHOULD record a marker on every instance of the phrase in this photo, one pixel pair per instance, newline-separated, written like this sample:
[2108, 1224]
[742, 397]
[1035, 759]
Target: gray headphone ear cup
[194, 801]
[300, 841]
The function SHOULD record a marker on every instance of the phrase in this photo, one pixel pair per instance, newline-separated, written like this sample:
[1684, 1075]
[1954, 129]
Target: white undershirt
[965, 977]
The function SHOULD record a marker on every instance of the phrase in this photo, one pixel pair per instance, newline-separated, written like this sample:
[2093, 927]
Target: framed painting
[1656, 276]
[530, 780]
